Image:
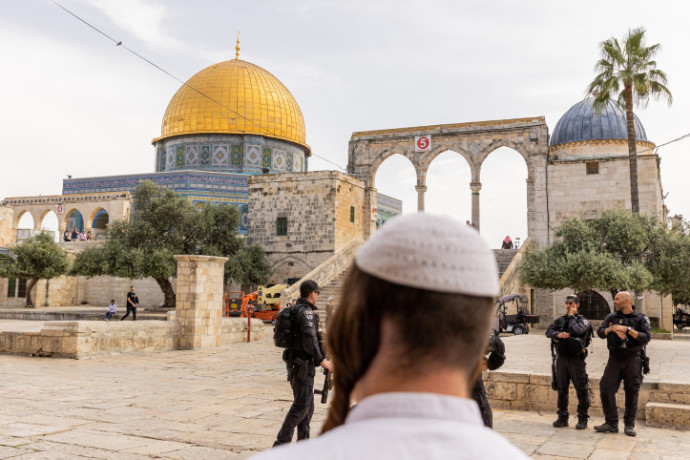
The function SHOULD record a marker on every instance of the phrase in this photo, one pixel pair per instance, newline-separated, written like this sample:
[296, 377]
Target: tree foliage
[628, 75]
[38, 257]
[166, 224]
[617, 251]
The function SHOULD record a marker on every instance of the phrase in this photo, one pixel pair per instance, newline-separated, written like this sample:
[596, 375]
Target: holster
[300, 369]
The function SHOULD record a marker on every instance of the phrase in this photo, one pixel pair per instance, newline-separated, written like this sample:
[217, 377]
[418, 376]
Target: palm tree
[628, 75]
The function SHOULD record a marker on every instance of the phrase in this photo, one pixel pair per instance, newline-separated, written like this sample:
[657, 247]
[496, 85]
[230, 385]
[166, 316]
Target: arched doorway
[504, 197]
[448, 180]
[593, 305]
[25, 226]
[396, 177]
[75, 220]
[49, 223]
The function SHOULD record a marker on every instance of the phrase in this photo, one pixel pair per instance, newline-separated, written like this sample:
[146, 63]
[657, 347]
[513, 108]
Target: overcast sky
[71, 102]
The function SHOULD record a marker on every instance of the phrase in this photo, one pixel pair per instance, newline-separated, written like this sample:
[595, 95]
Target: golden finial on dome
[237, 47]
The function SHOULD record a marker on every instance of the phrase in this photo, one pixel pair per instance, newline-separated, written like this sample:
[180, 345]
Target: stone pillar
[199, 300]
[475, 187]
[368, 215]
[421, 190]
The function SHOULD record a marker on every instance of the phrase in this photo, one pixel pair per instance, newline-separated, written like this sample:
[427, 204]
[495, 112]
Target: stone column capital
[475, 187]
[420, 188]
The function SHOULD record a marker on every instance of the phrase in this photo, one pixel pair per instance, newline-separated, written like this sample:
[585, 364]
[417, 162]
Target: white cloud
[143, 19]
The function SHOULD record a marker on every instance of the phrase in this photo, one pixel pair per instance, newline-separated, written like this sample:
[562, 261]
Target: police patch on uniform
[309, 315]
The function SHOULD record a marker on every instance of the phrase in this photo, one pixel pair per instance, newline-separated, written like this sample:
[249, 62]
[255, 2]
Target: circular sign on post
[422, 143]
[59, 209]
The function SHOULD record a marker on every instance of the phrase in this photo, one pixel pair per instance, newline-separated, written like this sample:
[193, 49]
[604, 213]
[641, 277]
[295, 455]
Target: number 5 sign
[422, 143]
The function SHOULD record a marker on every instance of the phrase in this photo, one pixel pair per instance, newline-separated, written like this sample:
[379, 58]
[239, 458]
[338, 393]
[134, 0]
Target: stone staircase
[503, 259]
[332, 289]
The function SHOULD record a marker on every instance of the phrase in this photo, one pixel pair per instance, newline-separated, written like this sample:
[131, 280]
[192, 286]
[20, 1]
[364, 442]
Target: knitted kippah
[430, 252]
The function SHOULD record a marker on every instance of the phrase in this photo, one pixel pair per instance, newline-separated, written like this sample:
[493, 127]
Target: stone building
[300, 220]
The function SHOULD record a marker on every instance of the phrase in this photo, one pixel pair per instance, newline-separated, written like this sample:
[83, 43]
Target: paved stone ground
[229, 403]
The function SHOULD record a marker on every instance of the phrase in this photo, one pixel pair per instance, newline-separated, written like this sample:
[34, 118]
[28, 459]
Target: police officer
[569, 337]
[626, 333]
[496, 358]
[303, 356]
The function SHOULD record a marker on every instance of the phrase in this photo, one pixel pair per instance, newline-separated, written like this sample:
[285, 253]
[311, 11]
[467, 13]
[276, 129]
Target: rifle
[554, 381]
[327, 385]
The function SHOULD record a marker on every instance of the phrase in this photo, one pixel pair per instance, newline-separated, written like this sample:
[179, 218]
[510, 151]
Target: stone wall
[88, 339]
[100, 289]
[521, 391]
[317, 208]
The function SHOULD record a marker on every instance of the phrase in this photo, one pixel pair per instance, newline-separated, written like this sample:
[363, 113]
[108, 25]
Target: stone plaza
[228, 403]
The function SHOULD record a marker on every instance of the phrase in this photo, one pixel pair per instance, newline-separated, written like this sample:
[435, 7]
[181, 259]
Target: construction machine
[264, 302]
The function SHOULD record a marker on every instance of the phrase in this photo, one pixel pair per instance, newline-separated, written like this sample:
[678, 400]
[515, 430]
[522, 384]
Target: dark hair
[439, 329]
[574, 298]
[307, 287]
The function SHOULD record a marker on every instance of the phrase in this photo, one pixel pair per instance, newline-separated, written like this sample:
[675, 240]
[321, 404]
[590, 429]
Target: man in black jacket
[303, 356]
[626, 333]
[569, 337]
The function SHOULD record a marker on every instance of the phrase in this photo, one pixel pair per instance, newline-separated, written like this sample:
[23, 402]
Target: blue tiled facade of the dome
[582, 123]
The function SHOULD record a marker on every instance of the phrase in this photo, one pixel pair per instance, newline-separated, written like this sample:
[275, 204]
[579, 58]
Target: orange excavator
[264, 303]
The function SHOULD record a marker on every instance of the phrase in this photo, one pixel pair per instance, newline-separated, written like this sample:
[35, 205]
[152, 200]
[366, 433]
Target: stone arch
[504, 179]
[99, 220]
[21, 215]
[371, 182]
[475, 141]
[447, 178]
[282, 268]
[593, 305]
[73, 218]
[47, 216]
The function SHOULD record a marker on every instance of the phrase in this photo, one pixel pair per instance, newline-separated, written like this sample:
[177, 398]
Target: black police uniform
[495, 360]
[303, 357]
[625, 363]
[570, 363]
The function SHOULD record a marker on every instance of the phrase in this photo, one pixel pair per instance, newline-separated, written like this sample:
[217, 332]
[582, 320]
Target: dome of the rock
[234, 97]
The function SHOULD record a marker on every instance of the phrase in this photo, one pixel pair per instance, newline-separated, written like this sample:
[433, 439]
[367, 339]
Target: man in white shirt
[412, 323]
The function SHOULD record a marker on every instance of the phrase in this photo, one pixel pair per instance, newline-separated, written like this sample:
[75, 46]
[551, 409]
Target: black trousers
[479, 396]
[300, 412]
[569, 368]
[130, 309]
[629, 370]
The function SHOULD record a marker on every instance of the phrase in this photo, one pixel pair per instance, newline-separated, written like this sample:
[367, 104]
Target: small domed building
[589, 165]
[589, 173]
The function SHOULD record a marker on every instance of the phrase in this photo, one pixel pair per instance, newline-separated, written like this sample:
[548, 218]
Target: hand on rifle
[327, 364]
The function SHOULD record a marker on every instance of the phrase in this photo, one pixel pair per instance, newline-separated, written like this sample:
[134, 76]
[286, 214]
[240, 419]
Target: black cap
[574, 298]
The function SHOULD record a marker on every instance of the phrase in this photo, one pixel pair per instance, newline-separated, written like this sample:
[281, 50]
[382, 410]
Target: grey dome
[582, 123]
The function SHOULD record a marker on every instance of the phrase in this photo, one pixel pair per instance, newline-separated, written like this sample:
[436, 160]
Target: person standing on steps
[132, 302]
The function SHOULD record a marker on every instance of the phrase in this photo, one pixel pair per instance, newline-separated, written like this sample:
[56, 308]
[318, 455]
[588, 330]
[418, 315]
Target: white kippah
[430, 252]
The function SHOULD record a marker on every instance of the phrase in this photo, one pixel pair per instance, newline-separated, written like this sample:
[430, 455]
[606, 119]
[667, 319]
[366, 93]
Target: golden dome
[234, 97]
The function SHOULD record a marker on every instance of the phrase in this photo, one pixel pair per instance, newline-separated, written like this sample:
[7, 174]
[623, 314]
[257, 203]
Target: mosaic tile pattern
[205, 156]
[236, 155]
[192, 155]
[279, 160]
[266, 157]
[289, 162]
[252, 155]
[171, 158]
[179, 158]
[220, 154]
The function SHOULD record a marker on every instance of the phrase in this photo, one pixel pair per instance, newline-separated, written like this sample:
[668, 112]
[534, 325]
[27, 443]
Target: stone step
[503, 258]
[668, 415]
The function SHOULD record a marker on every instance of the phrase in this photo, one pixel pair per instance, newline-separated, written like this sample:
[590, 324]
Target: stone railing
[510, 282]
[327, 271]
[662, 404]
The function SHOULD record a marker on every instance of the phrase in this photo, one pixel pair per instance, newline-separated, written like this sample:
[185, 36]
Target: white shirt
[401, 426]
